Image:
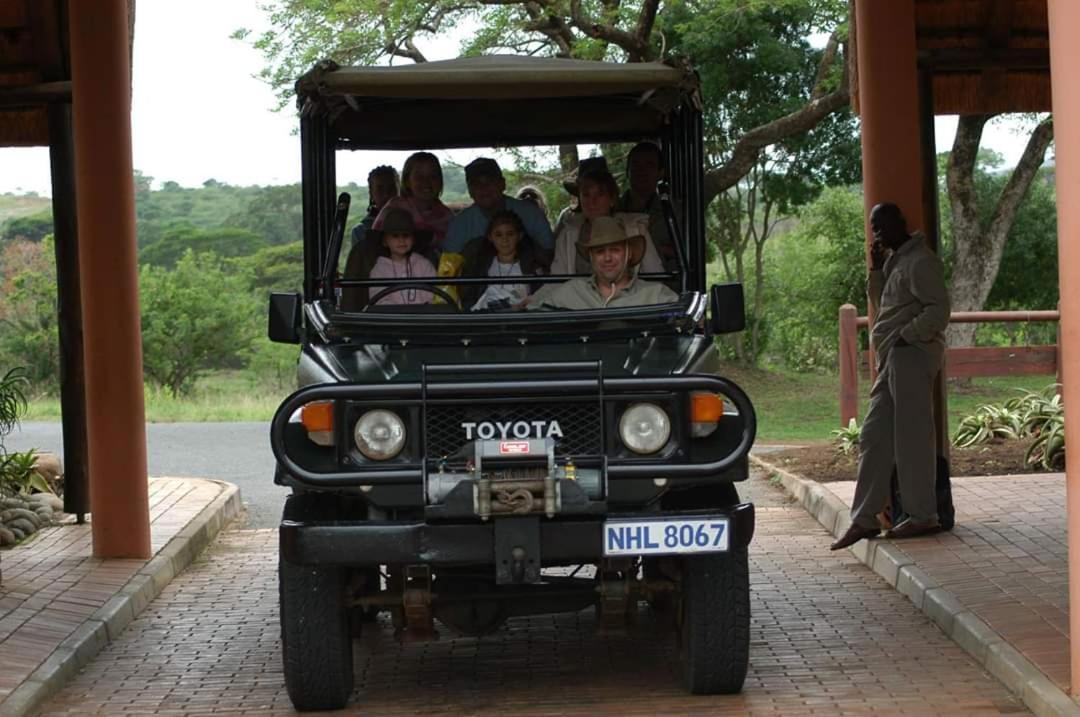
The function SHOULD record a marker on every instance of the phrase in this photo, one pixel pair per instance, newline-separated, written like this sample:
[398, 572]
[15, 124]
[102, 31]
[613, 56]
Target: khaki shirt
[583, 293]
[910, 300]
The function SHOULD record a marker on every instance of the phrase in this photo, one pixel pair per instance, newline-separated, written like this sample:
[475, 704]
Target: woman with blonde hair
[421, 186]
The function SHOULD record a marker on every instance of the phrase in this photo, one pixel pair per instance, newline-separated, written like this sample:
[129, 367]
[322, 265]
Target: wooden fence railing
[959, 362]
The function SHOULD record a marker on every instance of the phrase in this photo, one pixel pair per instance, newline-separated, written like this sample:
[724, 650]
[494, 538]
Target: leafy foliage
[33, 227]
[1041, 415]
[195, 318]
[814, 269]
[987, 423]
[847, 439]
[28, 318]
[181, 238]
[16, 468]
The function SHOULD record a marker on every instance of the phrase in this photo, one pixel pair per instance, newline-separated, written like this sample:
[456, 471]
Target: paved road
[235, 452]
[829, 637]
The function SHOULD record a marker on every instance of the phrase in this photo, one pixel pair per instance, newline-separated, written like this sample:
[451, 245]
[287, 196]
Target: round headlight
[380, 435]
[644, 428]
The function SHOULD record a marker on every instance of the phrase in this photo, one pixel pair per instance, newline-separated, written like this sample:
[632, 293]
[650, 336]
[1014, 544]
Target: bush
[817, 267]
[195, 318]
[28, 312]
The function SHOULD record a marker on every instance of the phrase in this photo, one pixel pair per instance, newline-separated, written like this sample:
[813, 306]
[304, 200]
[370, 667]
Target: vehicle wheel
[714, 629]
[316, 642]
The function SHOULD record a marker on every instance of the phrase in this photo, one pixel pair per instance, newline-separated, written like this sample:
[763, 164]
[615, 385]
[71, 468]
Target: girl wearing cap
[421, 185]
[598, 194]
[399, 261]
[505, 250]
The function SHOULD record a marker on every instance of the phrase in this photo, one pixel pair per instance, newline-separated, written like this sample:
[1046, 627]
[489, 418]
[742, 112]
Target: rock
[12, 503]
[12, 514]
[19, 535]
[55, 503]
[26, 526]
[49, 467]
[45, 513]
[6, 537]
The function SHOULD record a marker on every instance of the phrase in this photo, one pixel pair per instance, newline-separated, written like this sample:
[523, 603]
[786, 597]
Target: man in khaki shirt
[613, 257]
[908, 295]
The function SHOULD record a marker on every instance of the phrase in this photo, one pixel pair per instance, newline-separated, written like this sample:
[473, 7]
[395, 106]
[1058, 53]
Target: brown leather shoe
[912, 529]
[853, 535]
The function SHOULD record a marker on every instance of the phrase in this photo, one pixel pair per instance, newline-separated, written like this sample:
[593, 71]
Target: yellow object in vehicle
[450, 264]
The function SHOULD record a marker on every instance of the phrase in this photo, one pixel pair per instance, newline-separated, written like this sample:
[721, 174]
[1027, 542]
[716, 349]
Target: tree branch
[636, 50]
[828, 57]
[1012, 195]
[959, 175]
[748, 149]
[646, 20]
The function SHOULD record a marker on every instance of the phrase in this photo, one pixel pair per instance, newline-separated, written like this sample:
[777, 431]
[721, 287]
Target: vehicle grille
[579, 422]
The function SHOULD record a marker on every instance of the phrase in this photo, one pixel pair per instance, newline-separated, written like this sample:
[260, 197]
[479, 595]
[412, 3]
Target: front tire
[316, 642]
[714, 625]
[316, 639]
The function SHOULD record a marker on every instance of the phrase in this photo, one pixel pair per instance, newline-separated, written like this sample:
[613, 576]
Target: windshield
[486, 232]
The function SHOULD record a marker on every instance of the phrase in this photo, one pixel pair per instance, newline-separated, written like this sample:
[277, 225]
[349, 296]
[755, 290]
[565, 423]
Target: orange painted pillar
[105, 197]
[889, 113]
[889, 108]
[1064, 59]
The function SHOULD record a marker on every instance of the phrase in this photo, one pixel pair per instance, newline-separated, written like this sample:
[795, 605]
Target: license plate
[665, 536]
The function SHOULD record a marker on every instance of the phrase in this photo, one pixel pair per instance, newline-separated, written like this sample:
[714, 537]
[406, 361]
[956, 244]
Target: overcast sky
[199, 113]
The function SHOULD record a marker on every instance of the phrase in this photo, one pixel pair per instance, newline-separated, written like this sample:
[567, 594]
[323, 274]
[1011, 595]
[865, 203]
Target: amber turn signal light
[318, 416]
[706, 408]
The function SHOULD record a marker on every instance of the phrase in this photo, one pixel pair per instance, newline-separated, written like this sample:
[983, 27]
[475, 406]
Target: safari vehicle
[453, 468]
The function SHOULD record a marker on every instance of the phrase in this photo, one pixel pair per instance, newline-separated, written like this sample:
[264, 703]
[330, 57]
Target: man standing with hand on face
[908, 295]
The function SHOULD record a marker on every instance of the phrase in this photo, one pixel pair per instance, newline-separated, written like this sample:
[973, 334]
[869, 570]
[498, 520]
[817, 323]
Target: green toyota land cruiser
[452, 468]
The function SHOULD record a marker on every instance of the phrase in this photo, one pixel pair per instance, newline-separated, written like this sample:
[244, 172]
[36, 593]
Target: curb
[106, 624]
[966, 629]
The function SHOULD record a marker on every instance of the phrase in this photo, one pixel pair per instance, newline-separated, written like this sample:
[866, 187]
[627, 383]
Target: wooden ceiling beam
[975, 59]
[50, 42]
[12, 14]
[35, 95]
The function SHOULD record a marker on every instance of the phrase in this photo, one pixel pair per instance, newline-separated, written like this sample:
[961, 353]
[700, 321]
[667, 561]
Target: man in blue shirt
[487, 187]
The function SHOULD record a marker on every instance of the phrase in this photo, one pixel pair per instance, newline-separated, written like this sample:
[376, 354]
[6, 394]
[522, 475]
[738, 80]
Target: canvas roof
[497, 99]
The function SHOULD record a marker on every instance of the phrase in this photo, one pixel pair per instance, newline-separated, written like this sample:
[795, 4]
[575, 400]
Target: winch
[514, 477]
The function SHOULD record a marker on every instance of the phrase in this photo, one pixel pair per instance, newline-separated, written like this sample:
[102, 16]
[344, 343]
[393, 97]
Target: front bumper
[562, 542]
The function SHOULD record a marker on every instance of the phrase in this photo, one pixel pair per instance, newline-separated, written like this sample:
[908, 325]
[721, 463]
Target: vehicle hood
[653, 356]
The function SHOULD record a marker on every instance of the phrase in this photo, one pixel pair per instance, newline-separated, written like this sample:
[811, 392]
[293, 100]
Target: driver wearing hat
[613, 257]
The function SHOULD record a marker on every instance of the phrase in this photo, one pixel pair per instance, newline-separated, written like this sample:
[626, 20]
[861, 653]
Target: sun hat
[589, 164]
[398, 221]
[609, 230]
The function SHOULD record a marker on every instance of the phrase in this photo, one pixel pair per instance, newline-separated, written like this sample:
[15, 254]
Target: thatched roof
[35, 67]
[985, 56]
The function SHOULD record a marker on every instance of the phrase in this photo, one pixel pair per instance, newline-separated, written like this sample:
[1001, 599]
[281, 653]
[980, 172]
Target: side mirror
[727, 310]
[284, 326]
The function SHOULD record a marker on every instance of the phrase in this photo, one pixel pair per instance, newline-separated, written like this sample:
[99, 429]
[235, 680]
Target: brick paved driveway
[829, 638]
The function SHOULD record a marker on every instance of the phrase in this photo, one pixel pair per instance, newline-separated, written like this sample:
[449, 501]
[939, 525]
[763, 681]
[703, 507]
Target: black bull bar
[603, 388]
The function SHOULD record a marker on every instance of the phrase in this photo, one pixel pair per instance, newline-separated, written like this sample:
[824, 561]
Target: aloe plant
[847, 439]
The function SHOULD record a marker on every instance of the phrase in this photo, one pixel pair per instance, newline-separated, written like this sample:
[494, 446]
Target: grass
[223, 396]
[791, 407]
[801, 408]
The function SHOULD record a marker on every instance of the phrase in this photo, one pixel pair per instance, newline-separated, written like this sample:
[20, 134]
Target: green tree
[366, 32]
[979, 236]
[28, 312]
[815, 268]
[195, 318]
[33, 227]
[275, 268]
[223, 241]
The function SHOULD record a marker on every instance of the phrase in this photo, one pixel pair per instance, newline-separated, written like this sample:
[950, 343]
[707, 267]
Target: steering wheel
[385, 291]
